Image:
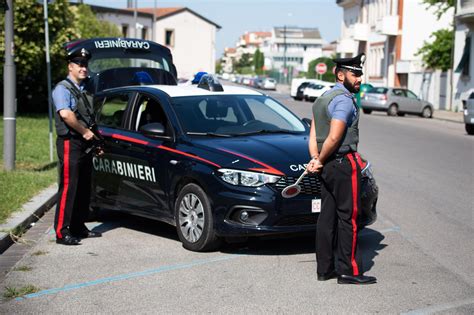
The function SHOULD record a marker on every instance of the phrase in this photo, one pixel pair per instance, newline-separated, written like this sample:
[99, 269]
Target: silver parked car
[468, 106]
[395, 101]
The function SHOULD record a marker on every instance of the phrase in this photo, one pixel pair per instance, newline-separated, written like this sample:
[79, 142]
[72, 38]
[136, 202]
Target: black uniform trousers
[75, 167]
[337, 222]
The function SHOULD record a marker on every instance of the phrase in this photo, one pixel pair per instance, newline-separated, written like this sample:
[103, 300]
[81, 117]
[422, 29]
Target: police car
[211, 160]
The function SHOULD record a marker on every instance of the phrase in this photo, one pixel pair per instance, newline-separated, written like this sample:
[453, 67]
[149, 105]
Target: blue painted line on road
[127, 276]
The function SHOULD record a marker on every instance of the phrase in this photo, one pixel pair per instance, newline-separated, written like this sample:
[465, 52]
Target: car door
[398, 96]
[414, 103]
[144, 184]
[111, 112]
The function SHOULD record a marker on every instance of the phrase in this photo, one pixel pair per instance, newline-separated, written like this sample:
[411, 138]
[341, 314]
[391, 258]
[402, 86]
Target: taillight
[383, 97]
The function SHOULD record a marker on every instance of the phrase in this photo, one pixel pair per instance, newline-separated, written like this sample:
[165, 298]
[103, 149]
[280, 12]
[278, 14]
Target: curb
[32, 211]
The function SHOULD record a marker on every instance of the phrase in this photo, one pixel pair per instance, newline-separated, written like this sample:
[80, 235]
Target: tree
[441, 6]
[437, 54]
[329, 75]
[66, 23]
[258, 61]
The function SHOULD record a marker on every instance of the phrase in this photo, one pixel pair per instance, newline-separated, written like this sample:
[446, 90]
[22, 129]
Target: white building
[190, 36]
[463, 76]
[294, 47]
[390, 32]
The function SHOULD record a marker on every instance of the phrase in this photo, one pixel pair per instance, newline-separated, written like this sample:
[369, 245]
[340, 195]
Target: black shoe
[88, 234]
[346, 279]
[326, 276]
[68, 240]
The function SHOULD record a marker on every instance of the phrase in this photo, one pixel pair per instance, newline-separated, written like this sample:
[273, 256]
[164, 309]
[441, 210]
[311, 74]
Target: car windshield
[234, 115]
[378, 90]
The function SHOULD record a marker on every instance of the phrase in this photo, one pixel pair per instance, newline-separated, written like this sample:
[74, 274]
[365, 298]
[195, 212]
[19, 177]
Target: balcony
[465, 11]
[348, 3]
[361, 31]
[347, 46]
[388, 25]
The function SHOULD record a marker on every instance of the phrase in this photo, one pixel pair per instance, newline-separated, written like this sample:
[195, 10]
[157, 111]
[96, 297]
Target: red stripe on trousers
[65, 188]
[355, 190]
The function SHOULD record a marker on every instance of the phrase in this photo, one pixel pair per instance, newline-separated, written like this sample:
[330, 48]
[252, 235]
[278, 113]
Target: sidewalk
[449, 116]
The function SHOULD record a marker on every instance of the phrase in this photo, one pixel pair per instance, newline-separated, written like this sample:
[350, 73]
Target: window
[144, 33]
[111, 113]
[169, 38]
[398, 92]
[410, 94]
[125, 30]
[149, 111]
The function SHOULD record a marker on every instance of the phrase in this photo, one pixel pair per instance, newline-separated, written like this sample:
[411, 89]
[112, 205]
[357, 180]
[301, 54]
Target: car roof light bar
[210, 83]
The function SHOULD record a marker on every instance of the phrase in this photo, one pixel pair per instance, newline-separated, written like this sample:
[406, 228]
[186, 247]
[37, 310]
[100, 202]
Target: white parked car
[315, 90]
[269, 84]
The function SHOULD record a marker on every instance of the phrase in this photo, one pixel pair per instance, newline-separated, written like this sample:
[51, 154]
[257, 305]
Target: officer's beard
[351, 87]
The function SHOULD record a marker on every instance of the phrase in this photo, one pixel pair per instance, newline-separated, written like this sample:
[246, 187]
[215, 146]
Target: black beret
[352, 64]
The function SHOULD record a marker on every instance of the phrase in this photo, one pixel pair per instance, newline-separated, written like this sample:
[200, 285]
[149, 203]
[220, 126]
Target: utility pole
[153, 31]
[48, 74]
[135, 18]
[285, 71]
[9, 92]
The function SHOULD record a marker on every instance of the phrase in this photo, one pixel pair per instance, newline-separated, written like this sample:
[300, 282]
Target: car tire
[470, 129]
[367, 111]
[427, 112]
[392, 110]
[194, 220]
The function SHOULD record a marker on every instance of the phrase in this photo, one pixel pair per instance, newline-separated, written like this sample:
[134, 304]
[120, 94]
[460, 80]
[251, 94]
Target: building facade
[463, 76]
[190, 36]
[390, 32]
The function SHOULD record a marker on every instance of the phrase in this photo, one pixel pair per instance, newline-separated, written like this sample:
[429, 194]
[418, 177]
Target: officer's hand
[314, 166]
[89, 135]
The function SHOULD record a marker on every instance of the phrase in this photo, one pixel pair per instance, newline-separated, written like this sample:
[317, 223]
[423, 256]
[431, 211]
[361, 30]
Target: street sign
[321, 68]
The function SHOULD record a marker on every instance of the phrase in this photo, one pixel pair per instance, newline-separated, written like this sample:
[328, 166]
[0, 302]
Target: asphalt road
[420, 249]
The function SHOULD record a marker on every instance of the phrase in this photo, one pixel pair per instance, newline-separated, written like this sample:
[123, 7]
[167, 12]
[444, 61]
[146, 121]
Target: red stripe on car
[266, 169]
[129, 139]
[188, 155]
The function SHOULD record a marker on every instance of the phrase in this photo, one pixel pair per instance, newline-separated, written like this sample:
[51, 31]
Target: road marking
[440, 307]
[128, 276]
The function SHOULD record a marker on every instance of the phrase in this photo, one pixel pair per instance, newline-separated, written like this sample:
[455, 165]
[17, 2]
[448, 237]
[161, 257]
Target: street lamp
[48, 74]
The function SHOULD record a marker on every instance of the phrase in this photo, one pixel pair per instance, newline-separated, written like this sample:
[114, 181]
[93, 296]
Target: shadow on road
[369, 239]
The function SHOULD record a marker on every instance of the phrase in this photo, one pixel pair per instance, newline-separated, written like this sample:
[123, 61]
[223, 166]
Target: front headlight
[245, 178]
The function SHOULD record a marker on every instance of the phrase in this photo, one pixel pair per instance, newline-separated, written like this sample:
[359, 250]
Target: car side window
[149, 111]
[398, 92]
[111, 113]
[410, 94]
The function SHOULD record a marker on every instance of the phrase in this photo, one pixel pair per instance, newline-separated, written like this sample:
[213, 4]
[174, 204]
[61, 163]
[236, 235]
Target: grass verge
[33, 169]
[13, 292]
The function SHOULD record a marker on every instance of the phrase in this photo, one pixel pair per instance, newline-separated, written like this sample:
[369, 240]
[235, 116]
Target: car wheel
[392, 110]
[470, 129]
[367, 111]
[194, 220]
[426, 112]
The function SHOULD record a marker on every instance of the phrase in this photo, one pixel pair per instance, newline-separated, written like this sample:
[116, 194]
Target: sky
[238, 16]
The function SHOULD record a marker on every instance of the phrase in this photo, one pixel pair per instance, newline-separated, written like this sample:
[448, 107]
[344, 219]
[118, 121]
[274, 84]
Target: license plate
[316, 205]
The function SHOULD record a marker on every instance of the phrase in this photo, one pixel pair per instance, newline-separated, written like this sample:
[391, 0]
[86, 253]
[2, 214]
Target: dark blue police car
[211, 160]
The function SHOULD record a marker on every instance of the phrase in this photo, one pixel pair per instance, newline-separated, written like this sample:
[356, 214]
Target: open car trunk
[119, 62]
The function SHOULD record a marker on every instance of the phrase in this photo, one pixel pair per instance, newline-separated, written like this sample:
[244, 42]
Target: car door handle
[124, 144]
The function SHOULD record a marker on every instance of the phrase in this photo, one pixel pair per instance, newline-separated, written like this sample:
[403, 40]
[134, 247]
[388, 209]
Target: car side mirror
[153, 130]
[307, 121]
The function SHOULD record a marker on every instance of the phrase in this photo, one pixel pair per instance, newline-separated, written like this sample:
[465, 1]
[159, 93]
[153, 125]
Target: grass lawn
[33, 169]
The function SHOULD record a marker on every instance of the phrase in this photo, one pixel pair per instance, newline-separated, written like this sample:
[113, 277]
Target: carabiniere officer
[333, 141]
[73, 114]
